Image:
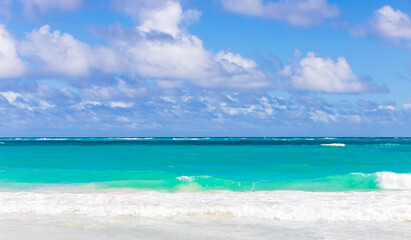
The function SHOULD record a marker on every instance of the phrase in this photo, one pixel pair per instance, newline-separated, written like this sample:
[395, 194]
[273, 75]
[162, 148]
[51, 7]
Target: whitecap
[186, 139]
[394, 181]
[185, 179]
[51, 139]
[131, 139]
[334, 145]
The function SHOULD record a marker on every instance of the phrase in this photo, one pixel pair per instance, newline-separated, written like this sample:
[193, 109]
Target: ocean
[205, 188]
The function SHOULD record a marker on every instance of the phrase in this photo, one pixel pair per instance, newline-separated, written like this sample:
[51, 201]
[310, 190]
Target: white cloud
[159, 47]
[123, 119]
[61, 53]
[166, 51]
[121, 105]
[407, 106]
[318, 74]
[10, 96]
[120, 90]
[165, 19]
[296, 12]
[13, 96]
[238, 110]
[233, 63]
[387, 23]
[323, 117]
[11, 65]
[386, 107]
[165, 16]
[392, 23]
[180, 58]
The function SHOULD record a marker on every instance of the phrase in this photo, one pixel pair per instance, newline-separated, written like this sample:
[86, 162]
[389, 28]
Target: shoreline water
[299, 188]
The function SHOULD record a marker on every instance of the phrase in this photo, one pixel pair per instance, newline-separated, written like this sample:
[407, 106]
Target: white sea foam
[190, 179]
[294, 206]
[186, 139]
[51, 139]
[185, 179]
[334, 145]
[391, 180]
[131, 139]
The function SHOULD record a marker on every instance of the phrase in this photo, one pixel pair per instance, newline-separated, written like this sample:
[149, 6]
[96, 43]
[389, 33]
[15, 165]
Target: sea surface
[205, 188]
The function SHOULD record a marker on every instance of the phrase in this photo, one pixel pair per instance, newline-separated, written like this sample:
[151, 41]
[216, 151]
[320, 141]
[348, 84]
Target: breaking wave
[292, 206]
[334, 145]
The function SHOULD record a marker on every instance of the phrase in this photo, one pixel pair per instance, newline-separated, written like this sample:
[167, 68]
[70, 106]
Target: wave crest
[333, 145]
[394, 181]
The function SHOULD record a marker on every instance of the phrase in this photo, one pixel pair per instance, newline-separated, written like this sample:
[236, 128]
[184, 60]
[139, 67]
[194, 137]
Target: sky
[205, 68]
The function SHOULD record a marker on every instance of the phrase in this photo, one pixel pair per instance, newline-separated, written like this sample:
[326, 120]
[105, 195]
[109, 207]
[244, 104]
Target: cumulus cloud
[296, 12]
[61, 53]
[165, 18]
[393, 23]
[163, 49]
[11, 66]
[158, 47]
[317, 74]
[180, 58]
[387, 23]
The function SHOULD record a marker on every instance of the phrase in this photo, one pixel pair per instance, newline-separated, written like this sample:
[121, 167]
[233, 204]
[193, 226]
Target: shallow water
[205, 188]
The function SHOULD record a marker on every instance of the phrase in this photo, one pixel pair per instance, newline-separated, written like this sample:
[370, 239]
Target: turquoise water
[206, 164]
[205, 188]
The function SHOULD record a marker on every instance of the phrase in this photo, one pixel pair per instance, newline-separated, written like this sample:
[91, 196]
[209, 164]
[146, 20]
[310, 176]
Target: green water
[203, 164]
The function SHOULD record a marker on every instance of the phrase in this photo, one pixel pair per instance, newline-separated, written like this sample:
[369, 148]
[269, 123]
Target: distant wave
[131, 139]
[185, 179]
[51, 139]
[335, 142]
[290, 206]
[334, 145]
[189, 139]
[190, 179]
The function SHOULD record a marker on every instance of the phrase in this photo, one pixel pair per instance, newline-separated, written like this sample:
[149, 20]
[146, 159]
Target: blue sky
[205, 68]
